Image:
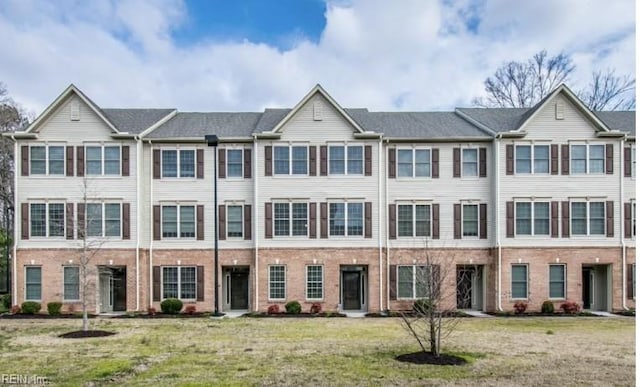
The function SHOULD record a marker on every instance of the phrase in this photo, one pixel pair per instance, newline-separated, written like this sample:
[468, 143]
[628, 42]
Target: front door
[587, 287]
[239, 288]
[106, 292]
[351, 290]
[464, 281]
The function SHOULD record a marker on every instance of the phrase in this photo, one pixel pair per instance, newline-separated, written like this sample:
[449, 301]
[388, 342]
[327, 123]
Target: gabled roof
[317, 89]
[135, 121]
[197, 125]
[624, 121]
[495, 119]
[270, 118]
[72, 89]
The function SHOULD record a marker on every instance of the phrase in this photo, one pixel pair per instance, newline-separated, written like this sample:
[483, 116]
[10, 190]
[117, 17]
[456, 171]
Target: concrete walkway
[476, 313]
[602, 314]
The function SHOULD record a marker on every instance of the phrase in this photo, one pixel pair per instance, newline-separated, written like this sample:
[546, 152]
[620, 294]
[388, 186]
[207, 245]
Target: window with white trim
[532, 159]
[235, 163]
[588, 218]
[532, 218]
[519, 282]
[103, 219]
[102, 160]
[71, 285]
[414, 220]
[346, 219]
[179, 282]
[470, 220]
[33, 283]
[47, 160]
[290, 159]
[413, 281]
[290, 219]
[588, 158]
[470, 162]
[179, 163]
[178, 221]
[47, 219]
[315, 284]
[234, 221]
[277, 282]
[414, 162]
[346, 160]
[557, 278]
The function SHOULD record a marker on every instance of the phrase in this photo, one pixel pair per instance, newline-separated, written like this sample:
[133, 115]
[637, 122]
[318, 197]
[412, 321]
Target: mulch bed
[85, 334]
[20, 316]
[293, 315]
[427, 358]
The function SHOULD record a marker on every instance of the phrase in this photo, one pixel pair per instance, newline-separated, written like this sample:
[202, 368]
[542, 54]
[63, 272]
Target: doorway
[112, 285]
[353, 284]
[596, 285]
[236, 288]
[470, 287]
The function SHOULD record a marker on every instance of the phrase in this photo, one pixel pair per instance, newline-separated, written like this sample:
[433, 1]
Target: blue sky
[247, 55]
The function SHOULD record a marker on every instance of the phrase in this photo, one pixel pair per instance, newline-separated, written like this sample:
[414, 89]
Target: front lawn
[315, 351]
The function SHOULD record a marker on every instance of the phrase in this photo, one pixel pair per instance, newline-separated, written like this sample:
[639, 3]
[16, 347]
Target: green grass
[315, 351]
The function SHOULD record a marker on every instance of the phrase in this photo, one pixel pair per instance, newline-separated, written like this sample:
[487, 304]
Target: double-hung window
[346, 219]
[470, 220]
[47, 219]
[414, 162]
[557, 281]
[587, 159]
[71, 290]
[346, 160]
[46, 160]
[179, 282]
[414, 281]
[277, 282]
[290, 219]
[470, 162]
[532, 159]
[414, 220]
[314, 282]
[519, 281]
[179, 163]
[234, 221]
[532, 218]
[178, 221]
[103, 220]
[234, 162]
[290, 160]
[33, 283]
[102, 160]
[588, 218]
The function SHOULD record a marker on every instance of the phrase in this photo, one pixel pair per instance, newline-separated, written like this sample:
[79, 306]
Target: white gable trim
[58, 101]
[321, 91]
[600, 125]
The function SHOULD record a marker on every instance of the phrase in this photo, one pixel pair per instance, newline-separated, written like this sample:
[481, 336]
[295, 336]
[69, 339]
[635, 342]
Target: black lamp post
[212, 140]
[7, 223]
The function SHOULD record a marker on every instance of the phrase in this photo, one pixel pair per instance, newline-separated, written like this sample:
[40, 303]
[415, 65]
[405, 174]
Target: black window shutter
[313, 231]
[554, 159]
[510, 222]
[392, 221]
[24, 166]
[247, 222]
[435, 163]
[80, 161]
[156, 283]
[70, 164]
[324, 231]
[156, 223]
[222, 222]
[393, 291]
[564, 163]
[200, 283]
[200, 163]
[125, 160]
[609, 209]
[456, 162]
[509, 159]
[312, 161]
[457, 221]
[627, 162]
[247, 163]
[435, 224]
[392, 163]
[323, 160]
[156, 163]
[367, 220]
[268, 220]
[367, 160]
[222, 163]
[200, 222]
[483, 162]
[627, 220]
[483, 221]
[24, 214]
[565, 219]
[609, 158]
[268, 165]
[554, 219]
[126, 221]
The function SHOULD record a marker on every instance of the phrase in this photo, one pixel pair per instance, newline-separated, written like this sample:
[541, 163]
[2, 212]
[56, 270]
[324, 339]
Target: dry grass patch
[527, 351]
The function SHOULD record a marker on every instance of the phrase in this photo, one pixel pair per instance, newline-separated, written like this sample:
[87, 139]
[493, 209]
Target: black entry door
[463, 288]
[119, 289]
[240, 290]
[351, 290]
[586, 288]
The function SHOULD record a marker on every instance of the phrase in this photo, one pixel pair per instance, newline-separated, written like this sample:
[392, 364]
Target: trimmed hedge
[31, 307]
[171, 306]
[54, 308]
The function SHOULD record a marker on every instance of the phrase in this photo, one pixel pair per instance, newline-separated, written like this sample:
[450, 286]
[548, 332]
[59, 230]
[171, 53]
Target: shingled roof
[135, 121]
[197, 125]
[619, 120]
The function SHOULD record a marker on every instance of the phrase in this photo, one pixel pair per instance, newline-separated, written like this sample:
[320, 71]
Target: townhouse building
[348, 208]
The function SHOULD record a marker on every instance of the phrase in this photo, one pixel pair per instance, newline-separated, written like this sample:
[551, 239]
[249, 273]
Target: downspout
[138, 202]
[380, 222]
[622, 244]
[496, 167]
[255, 219]
[151, 233]
[16, 208]
[386, 208]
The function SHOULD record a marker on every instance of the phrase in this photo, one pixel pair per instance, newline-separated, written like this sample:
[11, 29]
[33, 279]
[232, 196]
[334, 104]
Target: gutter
[255, 218]
[622, 244]
[496, 166]
[380, 222]
[14, 295]
[138, 202]
[151, 233]
[386, 209]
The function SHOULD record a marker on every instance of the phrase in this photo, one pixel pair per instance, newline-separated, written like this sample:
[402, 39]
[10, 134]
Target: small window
[179, 282]
[103, 220]
[346, 219]
[414, 220]
[47, 219]
[56, 160]
[532, 218]
[314, 282]
[469, 162]
[33, 283]
[470, 224]
[588, 218]
[46, 160]
[557, 288]
[532, 159]
[178, 222]
[277, 282]
[519, 282]
[290, 160]
[587, 159]
[346, 160]
[414, 162]
[179, 163]
[71, 291]
[234, 221]
[290, 219]
[234, 163]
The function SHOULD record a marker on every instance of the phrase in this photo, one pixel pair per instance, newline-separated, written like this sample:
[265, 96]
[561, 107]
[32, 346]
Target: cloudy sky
[216, 55]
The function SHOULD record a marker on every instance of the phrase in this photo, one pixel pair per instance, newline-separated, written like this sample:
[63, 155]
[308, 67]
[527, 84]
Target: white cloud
[411, 55]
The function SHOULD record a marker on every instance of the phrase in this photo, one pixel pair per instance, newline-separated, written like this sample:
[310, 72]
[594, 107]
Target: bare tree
[523, 84]
[434, 316]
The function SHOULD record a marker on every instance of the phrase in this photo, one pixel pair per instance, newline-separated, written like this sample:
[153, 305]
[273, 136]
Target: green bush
[422, 305]
[6, 301]
[171, 306]
[54, 308]
[31, 307]
[293, 307]
[547, 307]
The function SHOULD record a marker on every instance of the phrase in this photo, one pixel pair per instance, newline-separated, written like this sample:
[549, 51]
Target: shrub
[54, 308]
[190, 309]
[547, 307]
[15, 309]
[31, 307]
[171, 306]
[273, 309]
[570, 307]
[293, 307]
[151, 311]
[520, 307]
[422, 305]
[6, 301]
[315, 308]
